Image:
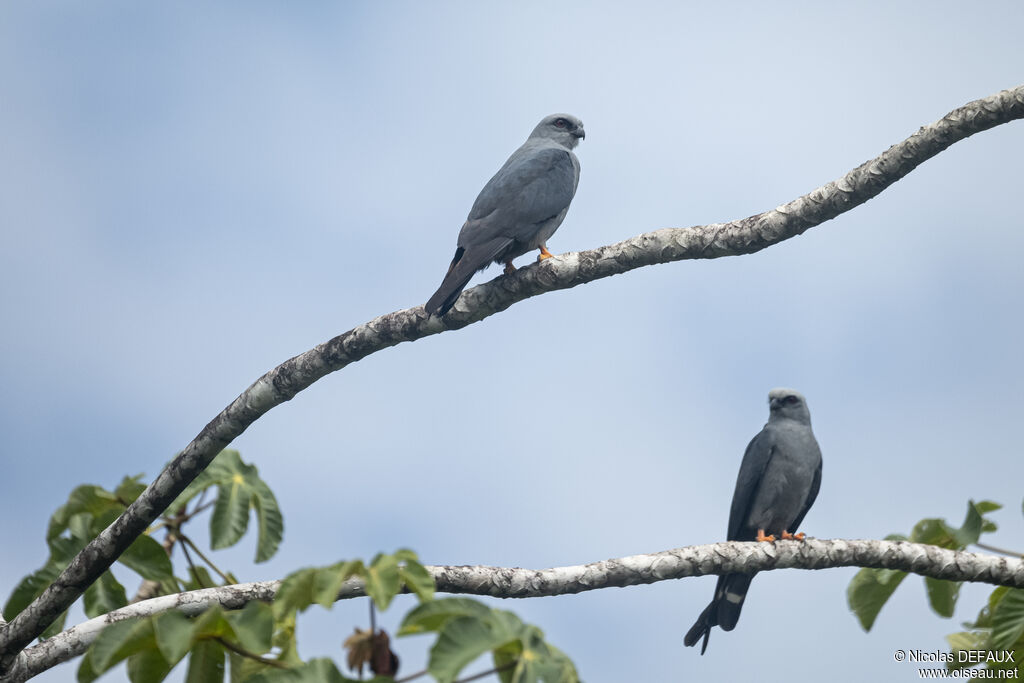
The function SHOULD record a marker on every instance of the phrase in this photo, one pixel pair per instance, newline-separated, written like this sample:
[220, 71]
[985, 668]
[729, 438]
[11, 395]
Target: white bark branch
[502, 582]
[281, 384]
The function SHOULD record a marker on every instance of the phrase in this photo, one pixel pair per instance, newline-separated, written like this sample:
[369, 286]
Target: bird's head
[788, 404]
[565, 129]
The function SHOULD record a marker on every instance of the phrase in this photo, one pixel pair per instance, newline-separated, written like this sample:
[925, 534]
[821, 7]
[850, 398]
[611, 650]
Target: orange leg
[765, 539]
[786, 536]
[509, 268]
[544, 253]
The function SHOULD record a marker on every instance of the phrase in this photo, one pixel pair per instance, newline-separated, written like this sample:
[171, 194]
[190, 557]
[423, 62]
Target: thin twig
[188, 541]
[1001, 551]
[239, 650]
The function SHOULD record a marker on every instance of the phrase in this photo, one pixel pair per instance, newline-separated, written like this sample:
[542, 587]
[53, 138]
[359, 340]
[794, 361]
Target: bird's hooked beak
[580, 133]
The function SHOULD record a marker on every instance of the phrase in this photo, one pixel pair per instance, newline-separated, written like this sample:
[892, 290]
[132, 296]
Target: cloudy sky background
[189, 196]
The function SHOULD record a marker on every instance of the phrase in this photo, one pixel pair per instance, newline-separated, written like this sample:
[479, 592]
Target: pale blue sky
[189, 196]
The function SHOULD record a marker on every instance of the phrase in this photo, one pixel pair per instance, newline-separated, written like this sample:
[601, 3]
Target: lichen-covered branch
[502, 582]
[281, 384]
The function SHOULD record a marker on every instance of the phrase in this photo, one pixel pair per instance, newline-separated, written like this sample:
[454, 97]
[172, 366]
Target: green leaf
[868, 592]
[1008, 620]
[120, 640]
[86, 673]
[30, 588]
[314, 585]
[147, 557]
[313, 671]
[967, 641]
[933, 532]
[463, 639]
[253, 626]
[206, 663]
[382, 580]
[89, 500]
[986, 506]
[432, 616]
[129, 489]
[212, 624]
[173, 632]
[970, 531]
[104, 595]
[230, 513]
[416, 577]
[148, 666]
[284, 639]
[270, 522]
[942, 595]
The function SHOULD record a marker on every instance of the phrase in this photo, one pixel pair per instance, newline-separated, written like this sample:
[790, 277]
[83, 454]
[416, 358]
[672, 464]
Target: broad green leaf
[933, 532]
[328, 580]
[206, 663]
[129, 489]
[104, 595]
[120, 640]
[242, 669]
[415, 576]
[296, 592]
[173, 632]
[942, 595]
[382, 580]
[63, 550]
[313, 671]
[535, 660]
[463, 639]
[253, 626]
[147, 557]
[270, 523]
[432, 616]
[970, 531]
[1008, 620]
[148, 666]
[868, 592]
[284, 639]
[30, 588]
[986, 506]
[965, 640]
[230, 513]
[314, 585]
[86, 673]
[88, 499]
[212, 624]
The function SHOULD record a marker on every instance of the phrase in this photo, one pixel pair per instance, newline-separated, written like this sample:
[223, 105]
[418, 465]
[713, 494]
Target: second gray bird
[777, 484]
[518, 209]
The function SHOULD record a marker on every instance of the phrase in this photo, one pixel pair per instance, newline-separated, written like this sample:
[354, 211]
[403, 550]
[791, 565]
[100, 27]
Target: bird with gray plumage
[518, 209]
[777, 484]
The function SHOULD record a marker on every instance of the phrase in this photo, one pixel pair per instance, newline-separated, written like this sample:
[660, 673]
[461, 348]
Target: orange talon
[765, 539]
[786, 536]
[509, 268]
[544, 253]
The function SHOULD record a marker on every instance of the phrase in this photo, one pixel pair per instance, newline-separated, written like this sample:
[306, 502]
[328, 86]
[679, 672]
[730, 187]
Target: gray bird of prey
[518, 209]
[777, 484]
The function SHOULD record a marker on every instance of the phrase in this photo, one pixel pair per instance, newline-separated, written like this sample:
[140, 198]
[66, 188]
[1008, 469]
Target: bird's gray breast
[526, 200]
[788, 479]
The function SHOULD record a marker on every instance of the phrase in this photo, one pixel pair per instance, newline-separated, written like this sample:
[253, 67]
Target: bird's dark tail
[463, 266]
[455, 280]
[724, 610]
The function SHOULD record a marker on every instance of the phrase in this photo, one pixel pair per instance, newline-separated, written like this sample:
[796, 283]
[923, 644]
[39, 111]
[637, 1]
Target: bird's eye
[561, 123]
[790, 400]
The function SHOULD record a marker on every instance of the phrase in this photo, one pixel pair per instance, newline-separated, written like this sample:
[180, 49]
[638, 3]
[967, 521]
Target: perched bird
[518, 209]
[776, 486]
